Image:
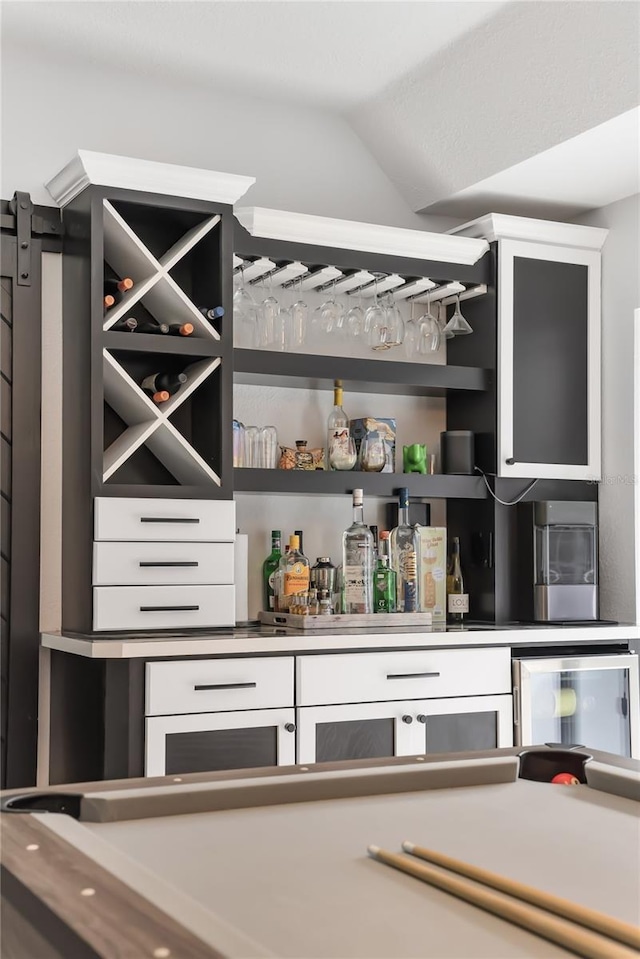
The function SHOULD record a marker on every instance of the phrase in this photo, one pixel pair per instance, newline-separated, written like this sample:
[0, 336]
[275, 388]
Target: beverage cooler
[591, 701]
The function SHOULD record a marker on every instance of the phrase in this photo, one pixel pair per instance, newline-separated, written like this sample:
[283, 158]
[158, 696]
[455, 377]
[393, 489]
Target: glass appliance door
[592, 701]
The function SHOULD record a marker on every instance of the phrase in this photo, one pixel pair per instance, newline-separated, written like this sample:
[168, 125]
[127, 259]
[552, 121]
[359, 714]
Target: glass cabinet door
[590, 701]
[460, 725]
[206, 742]
[360, 731]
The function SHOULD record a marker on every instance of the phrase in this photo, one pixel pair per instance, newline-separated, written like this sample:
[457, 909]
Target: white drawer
[162, 564]
[423, 674]
[175, 520]
[218, 685]
[163, 607]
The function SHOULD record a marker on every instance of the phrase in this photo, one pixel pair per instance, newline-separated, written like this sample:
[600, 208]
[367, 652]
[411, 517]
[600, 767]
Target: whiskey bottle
[405, 557]
[293, 574]
[357, 562]
[269, 569]
[338, 453]
[457, 599]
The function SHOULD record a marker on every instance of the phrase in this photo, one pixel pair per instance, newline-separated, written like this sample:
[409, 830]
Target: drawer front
[377, 677]
[175, 520]
[162, 564]
[217, 685]
[163, 607]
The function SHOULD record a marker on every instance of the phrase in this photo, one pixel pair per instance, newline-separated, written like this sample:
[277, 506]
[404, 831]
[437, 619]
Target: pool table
[274, 862]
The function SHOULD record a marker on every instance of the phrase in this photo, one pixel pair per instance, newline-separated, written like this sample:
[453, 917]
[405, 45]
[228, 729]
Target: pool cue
[598, 921]
[577, 939]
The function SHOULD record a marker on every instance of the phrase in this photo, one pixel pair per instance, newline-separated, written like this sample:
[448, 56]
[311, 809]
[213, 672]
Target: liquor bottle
[457, 599]
[338, 432]
[357, 562]
[293, 574]
[212, 314]
[180, 329]
[163, 383]
[125, 326]
[405, 557]
[149, 326]
[117, 288]
[384, 587]
[383, 545]
[374, 533]
[269, 568]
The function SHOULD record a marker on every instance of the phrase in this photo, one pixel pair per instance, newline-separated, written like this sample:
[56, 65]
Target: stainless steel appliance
[593, 701]
[559, 566]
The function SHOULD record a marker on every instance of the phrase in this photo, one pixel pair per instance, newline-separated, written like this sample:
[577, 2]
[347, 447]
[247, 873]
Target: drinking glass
[238, 443]
[411, 334]
[395, 323]
[299, 316]
[268, 448]
[267, 313]
[251, 448]
[328, 313]
[355, 320]
[373, 454]
[457, 325]
[429, 332]
[245, 309]
[342, 452]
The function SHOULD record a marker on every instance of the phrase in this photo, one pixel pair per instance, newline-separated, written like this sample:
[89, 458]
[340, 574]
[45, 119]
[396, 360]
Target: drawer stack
[163, 564]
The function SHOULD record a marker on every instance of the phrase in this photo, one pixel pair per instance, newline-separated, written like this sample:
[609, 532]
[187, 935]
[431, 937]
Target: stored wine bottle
[150, 327]
[161, 396]
[109, 301]
[457, 599]
[117, 288]
[213, 313]
[129, 325]
[180, 329]
[163, 382]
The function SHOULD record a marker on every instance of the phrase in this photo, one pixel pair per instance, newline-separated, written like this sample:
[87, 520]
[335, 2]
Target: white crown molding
[368, 237]
[499, 226]
[106, 169]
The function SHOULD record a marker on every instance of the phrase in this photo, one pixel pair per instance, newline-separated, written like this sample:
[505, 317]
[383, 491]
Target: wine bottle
[269, 568]
[150, 327]
[212, 313]
[163, 383]
[161, 396]
[117, 288]
[180, 329]
[337, 430]
[405, 557]
[457, 599]
[357, 562]
[109, 301]
[129, 325]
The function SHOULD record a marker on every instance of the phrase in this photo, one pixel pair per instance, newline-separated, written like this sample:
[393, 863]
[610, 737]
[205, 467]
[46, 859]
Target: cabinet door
[548, 361]
[360, 731]
[207, 742]
[459, 725]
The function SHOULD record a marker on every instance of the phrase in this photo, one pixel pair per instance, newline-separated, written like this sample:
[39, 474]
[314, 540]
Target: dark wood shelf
[161, 343]
[339, 483]
[303, 371]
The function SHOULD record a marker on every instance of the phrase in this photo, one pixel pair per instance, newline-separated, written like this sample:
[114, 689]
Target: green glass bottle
[269, 568]
[384, 587]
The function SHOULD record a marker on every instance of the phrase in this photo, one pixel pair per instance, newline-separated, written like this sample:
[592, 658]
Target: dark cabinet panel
[355, 739]
[550, 362]
[207, 750]
[458, 732]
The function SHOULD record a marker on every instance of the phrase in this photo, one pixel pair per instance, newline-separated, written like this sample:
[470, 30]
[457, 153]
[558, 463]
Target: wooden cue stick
[598, 921]
[577, 939]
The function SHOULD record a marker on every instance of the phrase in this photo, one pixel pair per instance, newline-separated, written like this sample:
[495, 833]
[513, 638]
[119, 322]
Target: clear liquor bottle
[357, 562]
[337, 429]
[269, 569]
[405, 557]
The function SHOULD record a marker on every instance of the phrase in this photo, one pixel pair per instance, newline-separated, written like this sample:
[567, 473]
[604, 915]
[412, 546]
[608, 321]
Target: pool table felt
[294, 880]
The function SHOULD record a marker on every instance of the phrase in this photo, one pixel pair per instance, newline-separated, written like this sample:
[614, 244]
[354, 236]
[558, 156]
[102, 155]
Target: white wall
[304, 160]
[619, 522]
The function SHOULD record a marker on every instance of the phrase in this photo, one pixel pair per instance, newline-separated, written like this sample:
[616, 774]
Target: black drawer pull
[189, 563]
[169, 519]
[226, 686]
[412, 675]
[170, 609]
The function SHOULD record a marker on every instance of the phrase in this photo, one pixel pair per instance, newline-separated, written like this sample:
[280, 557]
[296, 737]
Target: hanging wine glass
[269, 309]
[395, 322]
[411, 334]
[245, 309]
[328, 312]
[299, 316]
[429, 332]
[375, 320]
[355, 320]
[457, 325]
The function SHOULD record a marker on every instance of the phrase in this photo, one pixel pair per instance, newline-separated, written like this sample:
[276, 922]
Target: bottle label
[458, 602]
[354, 585]
[296, 579]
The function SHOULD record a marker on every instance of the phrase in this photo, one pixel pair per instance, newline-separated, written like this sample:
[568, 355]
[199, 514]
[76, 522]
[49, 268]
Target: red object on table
[566, 779]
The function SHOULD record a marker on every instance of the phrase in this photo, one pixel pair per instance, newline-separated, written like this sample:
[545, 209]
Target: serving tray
[359, 621]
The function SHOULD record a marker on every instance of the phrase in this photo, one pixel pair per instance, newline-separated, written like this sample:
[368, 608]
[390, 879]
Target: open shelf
[161, 343]
[326, 483]
[306, 371]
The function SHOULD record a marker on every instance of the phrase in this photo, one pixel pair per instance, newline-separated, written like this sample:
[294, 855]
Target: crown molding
[499, 226]
[107, 169]
[367, 237]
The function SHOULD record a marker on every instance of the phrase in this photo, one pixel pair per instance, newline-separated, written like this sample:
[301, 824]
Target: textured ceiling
[327, 54]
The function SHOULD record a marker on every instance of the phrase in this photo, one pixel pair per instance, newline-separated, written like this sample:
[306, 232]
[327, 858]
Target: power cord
[497, 498]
